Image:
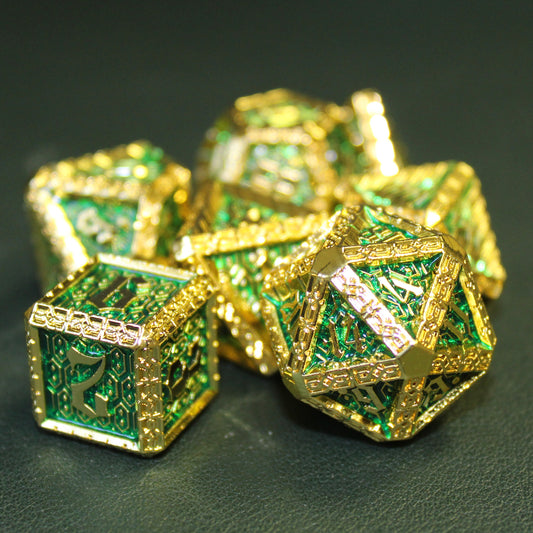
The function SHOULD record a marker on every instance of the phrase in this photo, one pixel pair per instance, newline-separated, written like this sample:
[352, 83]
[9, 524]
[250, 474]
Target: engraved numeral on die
[78, 389]
[118, 284]
[177, 385]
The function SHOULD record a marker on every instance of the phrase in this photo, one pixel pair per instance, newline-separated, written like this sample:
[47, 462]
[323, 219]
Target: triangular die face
[101, 226]
[374, 227]
[401, 287]
[343, 337]
[247, 269]
[459, 328]
[375, 403]
[233, 210]
[439, 386]
[287, 299]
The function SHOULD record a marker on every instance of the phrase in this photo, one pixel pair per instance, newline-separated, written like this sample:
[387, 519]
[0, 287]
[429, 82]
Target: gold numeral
[78, 389]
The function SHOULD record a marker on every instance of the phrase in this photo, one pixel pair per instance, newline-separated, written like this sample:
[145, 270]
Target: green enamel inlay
[417, 194]
[184, 368]
[169, 224]
[458, 327]
[343, 337]
[101, 226]
[150, 165]
[401, 286]
[287, 301]
[233, 210]
[247, 270]
[343, 155]
[116, 386]
[439, 386]
[280, 168]
[373, 402]
[286, 114]
[119, 293]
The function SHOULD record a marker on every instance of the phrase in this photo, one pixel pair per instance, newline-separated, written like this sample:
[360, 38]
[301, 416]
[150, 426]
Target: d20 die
[123, 353]
[378, 322]
[130, 200]
[445, 196]
[243, 233]
[295, 148]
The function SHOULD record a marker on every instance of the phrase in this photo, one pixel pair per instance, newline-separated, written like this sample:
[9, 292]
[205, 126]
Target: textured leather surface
[458, 83]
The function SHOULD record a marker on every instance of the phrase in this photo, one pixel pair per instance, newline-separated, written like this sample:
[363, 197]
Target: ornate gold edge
[252, 337]
[375, 130]
[56, 229]
[442, 404]
[252, 235]
[149, 398]
[36, 372]
[175, 312]
[174, 179]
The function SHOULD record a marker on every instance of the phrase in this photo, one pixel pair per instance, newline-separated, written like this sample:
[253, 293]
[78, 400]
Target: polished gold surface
[400, 348]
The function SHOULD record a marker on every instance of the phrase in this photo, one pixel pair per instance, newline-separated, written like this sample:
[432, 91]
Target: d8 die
[243, 233]
[295, 148]
[378, 322]
[446, 196]
[130, 200]
[123, 353]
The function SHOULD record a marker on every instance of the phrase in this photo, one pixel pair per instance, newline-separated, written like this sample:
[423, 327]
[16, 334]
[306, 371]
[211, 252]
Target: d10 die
[378, 322]
[130, 200]
[295, 148]
[446, 196]
[243, 233]
[122, 353]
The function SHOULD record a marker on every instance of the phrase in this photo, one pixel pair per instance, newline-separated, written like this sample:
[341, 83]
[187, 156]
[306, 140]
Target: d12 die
[130, 200]
[445, 196]
[243, 233]
[123, 353]
[295, 148]
[378, 322]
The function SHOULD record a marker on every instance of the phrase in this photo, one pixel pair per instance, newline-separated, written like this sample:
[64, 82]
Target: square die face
[89, 384]
[119, 293]
[186, 372]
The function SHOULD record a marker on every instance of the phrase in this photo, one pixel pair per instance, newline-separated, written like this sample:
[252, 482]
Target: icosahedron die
[378, 322]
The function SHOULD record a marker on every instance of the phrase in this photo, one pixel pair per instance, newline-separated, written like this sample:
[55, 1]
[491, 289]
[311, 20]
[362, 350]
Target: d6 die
[130, 200]
[378, 322]
[123, 353]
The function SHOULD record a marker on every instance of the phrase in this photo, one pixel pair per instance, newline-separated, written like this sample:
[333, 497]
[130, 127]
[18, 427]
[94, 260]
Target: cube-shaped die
[123, 353]
[130, 200]
[294, 148]
[378, 322]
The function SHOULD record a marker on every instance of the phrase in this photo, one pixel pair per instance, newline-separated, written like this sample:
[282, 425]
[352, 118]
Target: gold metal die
[445, 196]
[377, 322]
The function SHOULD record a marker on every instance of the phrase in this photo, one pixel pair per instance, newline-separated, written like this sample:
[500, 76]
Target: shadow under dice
[123, 353]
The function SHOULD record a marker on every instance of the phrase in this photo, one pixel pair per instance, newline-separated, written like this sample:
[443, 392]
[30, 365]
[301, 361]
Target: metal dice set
[308, 250]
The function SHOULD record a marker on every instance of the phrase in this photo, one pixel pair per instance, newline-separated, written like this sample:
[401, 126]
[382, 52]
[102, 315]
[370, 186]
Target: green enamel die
[123, 353]
[243, 234]
[295, 148]
[378, 322]
[130, 200]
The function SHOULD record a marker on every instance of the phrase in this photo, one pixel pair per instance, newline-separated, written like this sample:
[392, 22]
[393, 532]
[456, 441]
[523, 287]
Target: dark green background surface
[458, 83]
